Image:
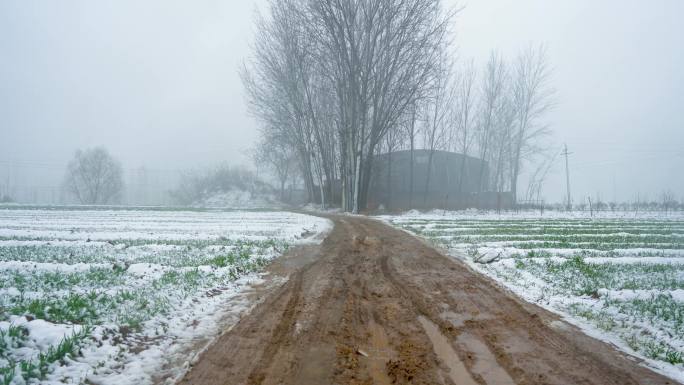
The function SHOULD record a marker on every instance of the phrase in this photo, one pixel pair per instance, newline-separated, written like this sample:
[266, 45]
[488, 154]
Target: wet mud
[375, 305]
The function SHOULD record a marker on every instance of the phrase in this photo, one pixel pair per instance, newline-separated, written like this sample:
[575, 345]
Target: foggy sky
[157, 83]
[619, 75]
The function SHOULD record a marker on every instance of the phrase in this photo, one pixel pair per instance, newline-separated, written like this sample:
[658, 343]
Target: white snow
[522, 253]
[535, 214]
[154, 255]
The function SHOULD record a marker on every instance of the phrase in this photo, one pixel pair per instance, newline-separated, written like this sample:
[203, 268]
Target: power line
[567, 175]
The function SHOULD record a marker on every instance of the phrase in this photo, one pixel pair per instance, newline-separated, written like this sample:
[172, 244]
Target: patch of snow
[168, 339]
[458, 232]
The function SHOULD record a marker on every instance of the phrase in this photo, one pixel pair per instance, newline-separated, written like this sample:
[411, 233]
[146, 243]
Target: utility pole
[567, 176]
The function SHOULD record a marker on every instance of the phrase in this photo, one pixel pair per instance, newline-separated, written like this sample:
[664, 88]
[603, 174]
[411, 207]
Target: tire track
[282, 332]
[361, 311]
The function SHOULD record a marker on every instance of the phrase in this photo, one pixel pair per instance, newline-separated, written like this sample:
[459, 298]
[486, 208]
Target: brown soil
[374, 305]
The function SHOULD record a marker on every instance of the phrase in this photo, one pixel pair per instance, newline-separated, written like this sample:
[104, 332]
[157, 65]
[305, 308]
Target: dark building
[454, 182]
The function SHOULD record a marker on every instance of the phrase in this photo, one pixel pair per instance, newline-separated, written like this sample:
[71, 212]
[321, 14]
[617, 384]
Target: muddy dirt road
[374, 305]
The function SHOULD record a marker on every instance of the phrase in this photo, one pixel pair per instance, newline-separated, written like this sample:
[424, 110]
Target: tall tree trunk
[389, 179]
[516, 168]
[427, 177]
[282, 190]
[320, 187]
[305, 165]
[461, 176]
[481, 178]
[411, 177]
[448, 184]
[366, 175]
[357, 182]
[514, 180]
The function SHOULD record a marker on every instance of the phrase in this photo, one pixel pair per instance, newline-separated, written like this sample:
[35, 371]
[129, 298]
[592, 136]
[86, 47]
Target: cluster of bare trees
[497, 117]
[336, 82]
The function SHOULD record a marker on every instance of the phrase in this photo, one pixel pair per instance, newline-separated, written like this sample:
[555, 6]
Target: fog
[157, 83]
[619, 75]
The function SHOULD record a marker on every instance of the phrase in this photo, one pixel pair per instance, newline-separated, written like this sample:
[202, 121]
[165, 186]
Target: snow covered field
[618, 276]
[118, 296]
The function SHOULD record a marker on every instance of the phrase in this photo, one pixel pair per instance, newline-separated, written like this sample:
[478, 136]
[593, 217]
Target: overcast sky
[156, 82]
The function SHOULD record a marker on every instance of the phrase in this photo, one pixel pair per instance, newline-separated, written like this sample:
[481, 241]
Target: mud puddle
[485, 363]
[378, 354]
[457, 370]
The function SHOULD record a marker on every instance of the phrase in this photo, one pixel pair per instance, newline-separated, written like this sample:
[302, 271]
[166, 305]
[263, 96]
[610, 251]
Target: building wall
[453, 182]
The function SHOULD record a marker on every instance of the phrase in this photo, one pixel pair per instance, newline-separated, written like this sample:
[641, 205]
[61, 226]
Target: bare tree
[339, 81]
[538, 177]
[492, 93]
[94, 177]
[501, 141]
[336, 76]
[669, 202]
[411, 131]
[277, 80]
[466, 99]
[392, 141]
[532, 98]
[438, 115]
[6, 191]
[278, 157]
